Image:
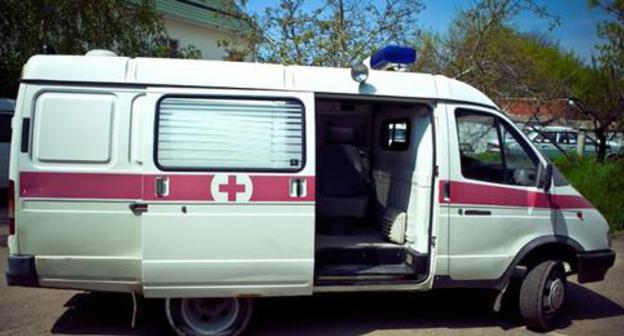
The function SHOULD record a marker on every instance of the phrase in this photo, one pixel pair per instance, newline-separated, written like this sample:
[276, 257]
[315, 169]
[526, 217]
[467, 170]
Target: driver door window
[484, 158]
[479, 147]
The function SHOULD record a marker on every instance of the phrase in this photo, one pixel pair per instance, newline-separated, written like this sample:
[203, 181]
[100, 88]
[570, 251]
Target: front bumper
[21, 271]
[592, 266]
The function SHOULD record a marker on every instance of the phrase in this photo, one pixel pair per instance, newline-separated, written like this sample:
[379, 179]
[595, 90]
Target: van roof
[222, 74]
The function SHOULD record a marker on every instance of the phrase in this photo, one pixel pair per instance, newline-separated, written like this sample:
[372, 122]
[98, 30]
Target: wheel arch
[542, 248]
[564, 249]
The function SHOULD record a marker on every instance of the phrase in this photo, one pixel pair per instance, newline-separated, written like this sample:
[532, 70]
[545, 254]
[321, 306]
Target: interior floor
[360, 236]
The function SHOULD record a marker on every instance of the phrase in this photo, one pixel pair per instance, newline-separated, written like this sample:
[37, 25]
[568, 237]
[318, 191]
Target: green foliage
[612, 31]
[600, 183]
[128, 27]
[333, 33]
[483, 49]
[600, 95]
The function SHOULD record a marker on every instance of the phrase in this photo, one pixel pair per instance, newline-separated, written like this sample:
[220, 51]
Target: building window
[395, 134]
[198, 133]
[172, 46]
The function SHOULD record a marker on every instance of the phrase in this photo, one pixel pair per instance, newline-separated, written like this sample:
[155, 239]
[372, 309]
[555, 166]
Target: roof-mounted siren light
[393, 58]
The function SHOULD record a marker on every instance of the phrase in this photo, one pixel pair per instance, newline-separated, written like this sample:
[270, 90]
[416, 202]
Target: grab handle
[298, 187]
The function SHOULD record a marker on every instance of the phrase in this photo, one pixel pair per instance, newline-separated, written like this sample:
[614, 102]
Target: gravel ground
[591, 309]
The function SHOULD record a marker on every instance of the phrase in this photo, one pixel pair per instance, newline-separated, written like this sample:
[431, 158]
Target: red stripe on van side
[481, 194]
[79, 185]
[181, 187]
[277, 189]
[136, 186]
[197, 188]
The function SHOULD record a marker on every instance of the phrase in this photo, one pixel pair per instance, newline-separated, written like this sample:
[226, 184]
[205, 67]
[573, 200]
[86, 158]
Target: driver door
[496, 205]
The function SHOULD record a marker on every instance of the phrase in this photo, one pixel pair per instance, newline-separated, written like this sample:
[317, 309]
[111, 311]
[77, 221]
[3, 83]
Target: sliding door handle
[138, 208]
[478, 213]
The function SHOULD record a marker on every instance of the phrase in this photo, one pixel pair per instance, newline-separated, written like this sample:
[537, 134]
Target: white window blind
[238, 134]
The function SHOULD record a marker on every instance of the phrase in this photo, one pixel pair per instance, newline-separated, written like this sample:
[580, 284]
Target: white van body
[199, 179]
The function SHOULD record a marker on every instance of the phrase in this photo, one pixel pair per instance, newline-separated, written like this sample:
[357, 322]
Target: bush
[601, 183]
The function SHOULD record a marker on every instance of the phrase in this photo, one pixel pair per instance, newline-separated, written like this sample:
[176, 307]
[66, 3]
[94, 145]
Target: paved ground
[594, 309]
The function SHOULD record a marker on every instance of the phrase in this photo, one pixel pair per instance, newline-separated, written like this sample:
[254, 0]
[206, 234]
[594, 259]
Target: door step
[364, 270]
[369, 262]
[369, 255]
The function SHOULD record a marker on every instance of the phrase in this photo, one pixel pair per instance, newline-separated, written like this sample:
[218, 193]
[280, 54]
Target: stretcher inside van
[212, 183]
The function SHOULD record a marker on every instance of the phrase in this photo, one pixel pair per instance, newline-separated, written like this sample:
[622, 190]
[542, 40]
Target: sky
[576, 33]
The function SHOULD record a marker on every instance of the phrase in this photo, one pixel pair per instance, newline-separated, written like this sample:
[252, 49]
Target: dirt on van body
[596, 308]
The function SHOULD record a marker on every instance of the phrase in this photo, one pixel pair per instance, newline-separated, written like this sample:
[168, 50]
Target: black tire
[208, 316]
[542, 295]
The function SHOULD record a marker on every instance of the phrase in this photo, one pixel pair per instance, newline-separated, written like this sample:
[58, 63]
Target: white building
[201, 23]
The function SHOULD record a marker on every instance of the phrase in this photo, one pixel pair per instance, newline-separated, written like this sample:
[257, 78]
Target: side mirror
[547, 176]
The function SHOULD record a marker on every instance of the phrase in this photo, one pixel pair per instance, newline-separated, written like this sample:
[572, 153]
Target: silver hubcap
[210, 316]
[555, 295]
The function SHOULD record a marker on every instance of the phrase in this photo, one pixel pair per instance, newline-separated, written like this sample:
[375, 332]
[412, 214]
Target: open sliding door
[229, 194]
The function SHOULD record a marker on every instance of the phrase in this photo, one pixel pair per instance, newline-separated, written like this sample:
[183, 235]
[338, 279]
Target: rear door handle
[478, 213]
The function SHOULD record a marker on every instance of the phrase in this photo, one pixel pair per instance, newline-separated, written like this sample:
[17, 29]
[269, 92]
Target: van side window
[200, 133]
[75, 128]
[395, 134]
[484, 158]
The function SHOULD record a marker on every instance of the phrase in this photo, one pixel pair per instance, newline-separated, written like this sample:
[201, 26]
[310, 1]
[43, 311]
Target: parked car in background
[567, 138]
[7, 106]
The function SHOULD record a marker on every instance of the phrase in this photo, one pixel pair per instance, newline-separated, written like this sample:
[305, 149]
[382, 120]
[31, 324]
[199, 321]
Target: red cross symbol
[231, 188]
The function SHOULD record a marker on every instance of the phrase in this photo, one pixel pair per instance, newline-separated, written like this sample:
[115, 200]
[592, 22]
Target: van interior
[375, 164]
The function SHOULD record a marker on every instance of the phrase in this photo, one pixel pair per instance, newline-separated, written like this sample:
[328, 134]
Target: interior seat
[342, 190]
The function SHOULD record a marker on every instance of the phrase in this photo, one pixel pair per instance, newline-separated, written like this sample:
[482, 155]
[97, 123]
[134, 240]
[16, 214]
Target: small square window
[395, 134]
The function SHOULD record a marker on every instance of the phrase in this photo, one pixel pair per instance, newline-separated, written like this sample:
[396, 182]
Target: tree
[600, 98]
[611, 30]
[483, 49]
[334, 33]
[130, 28]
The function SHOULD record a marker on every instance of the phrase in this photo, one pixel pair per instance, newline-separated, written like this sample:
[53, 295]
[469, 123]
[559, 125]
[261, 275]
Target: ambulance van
[210, 184]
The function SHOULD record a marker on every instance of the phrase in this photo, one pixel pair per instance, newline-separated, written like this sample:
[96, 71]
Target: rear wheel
[208, 316]
[542, 295]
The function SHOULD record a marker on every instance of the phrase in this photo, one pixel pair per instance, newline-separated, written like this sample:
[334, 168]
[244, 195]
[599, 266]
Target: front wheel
[542, 294]
[208, 316]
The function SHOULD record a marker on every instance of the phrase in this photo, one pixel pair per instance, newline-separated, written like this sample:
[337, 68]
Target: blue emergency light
[392, 56]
